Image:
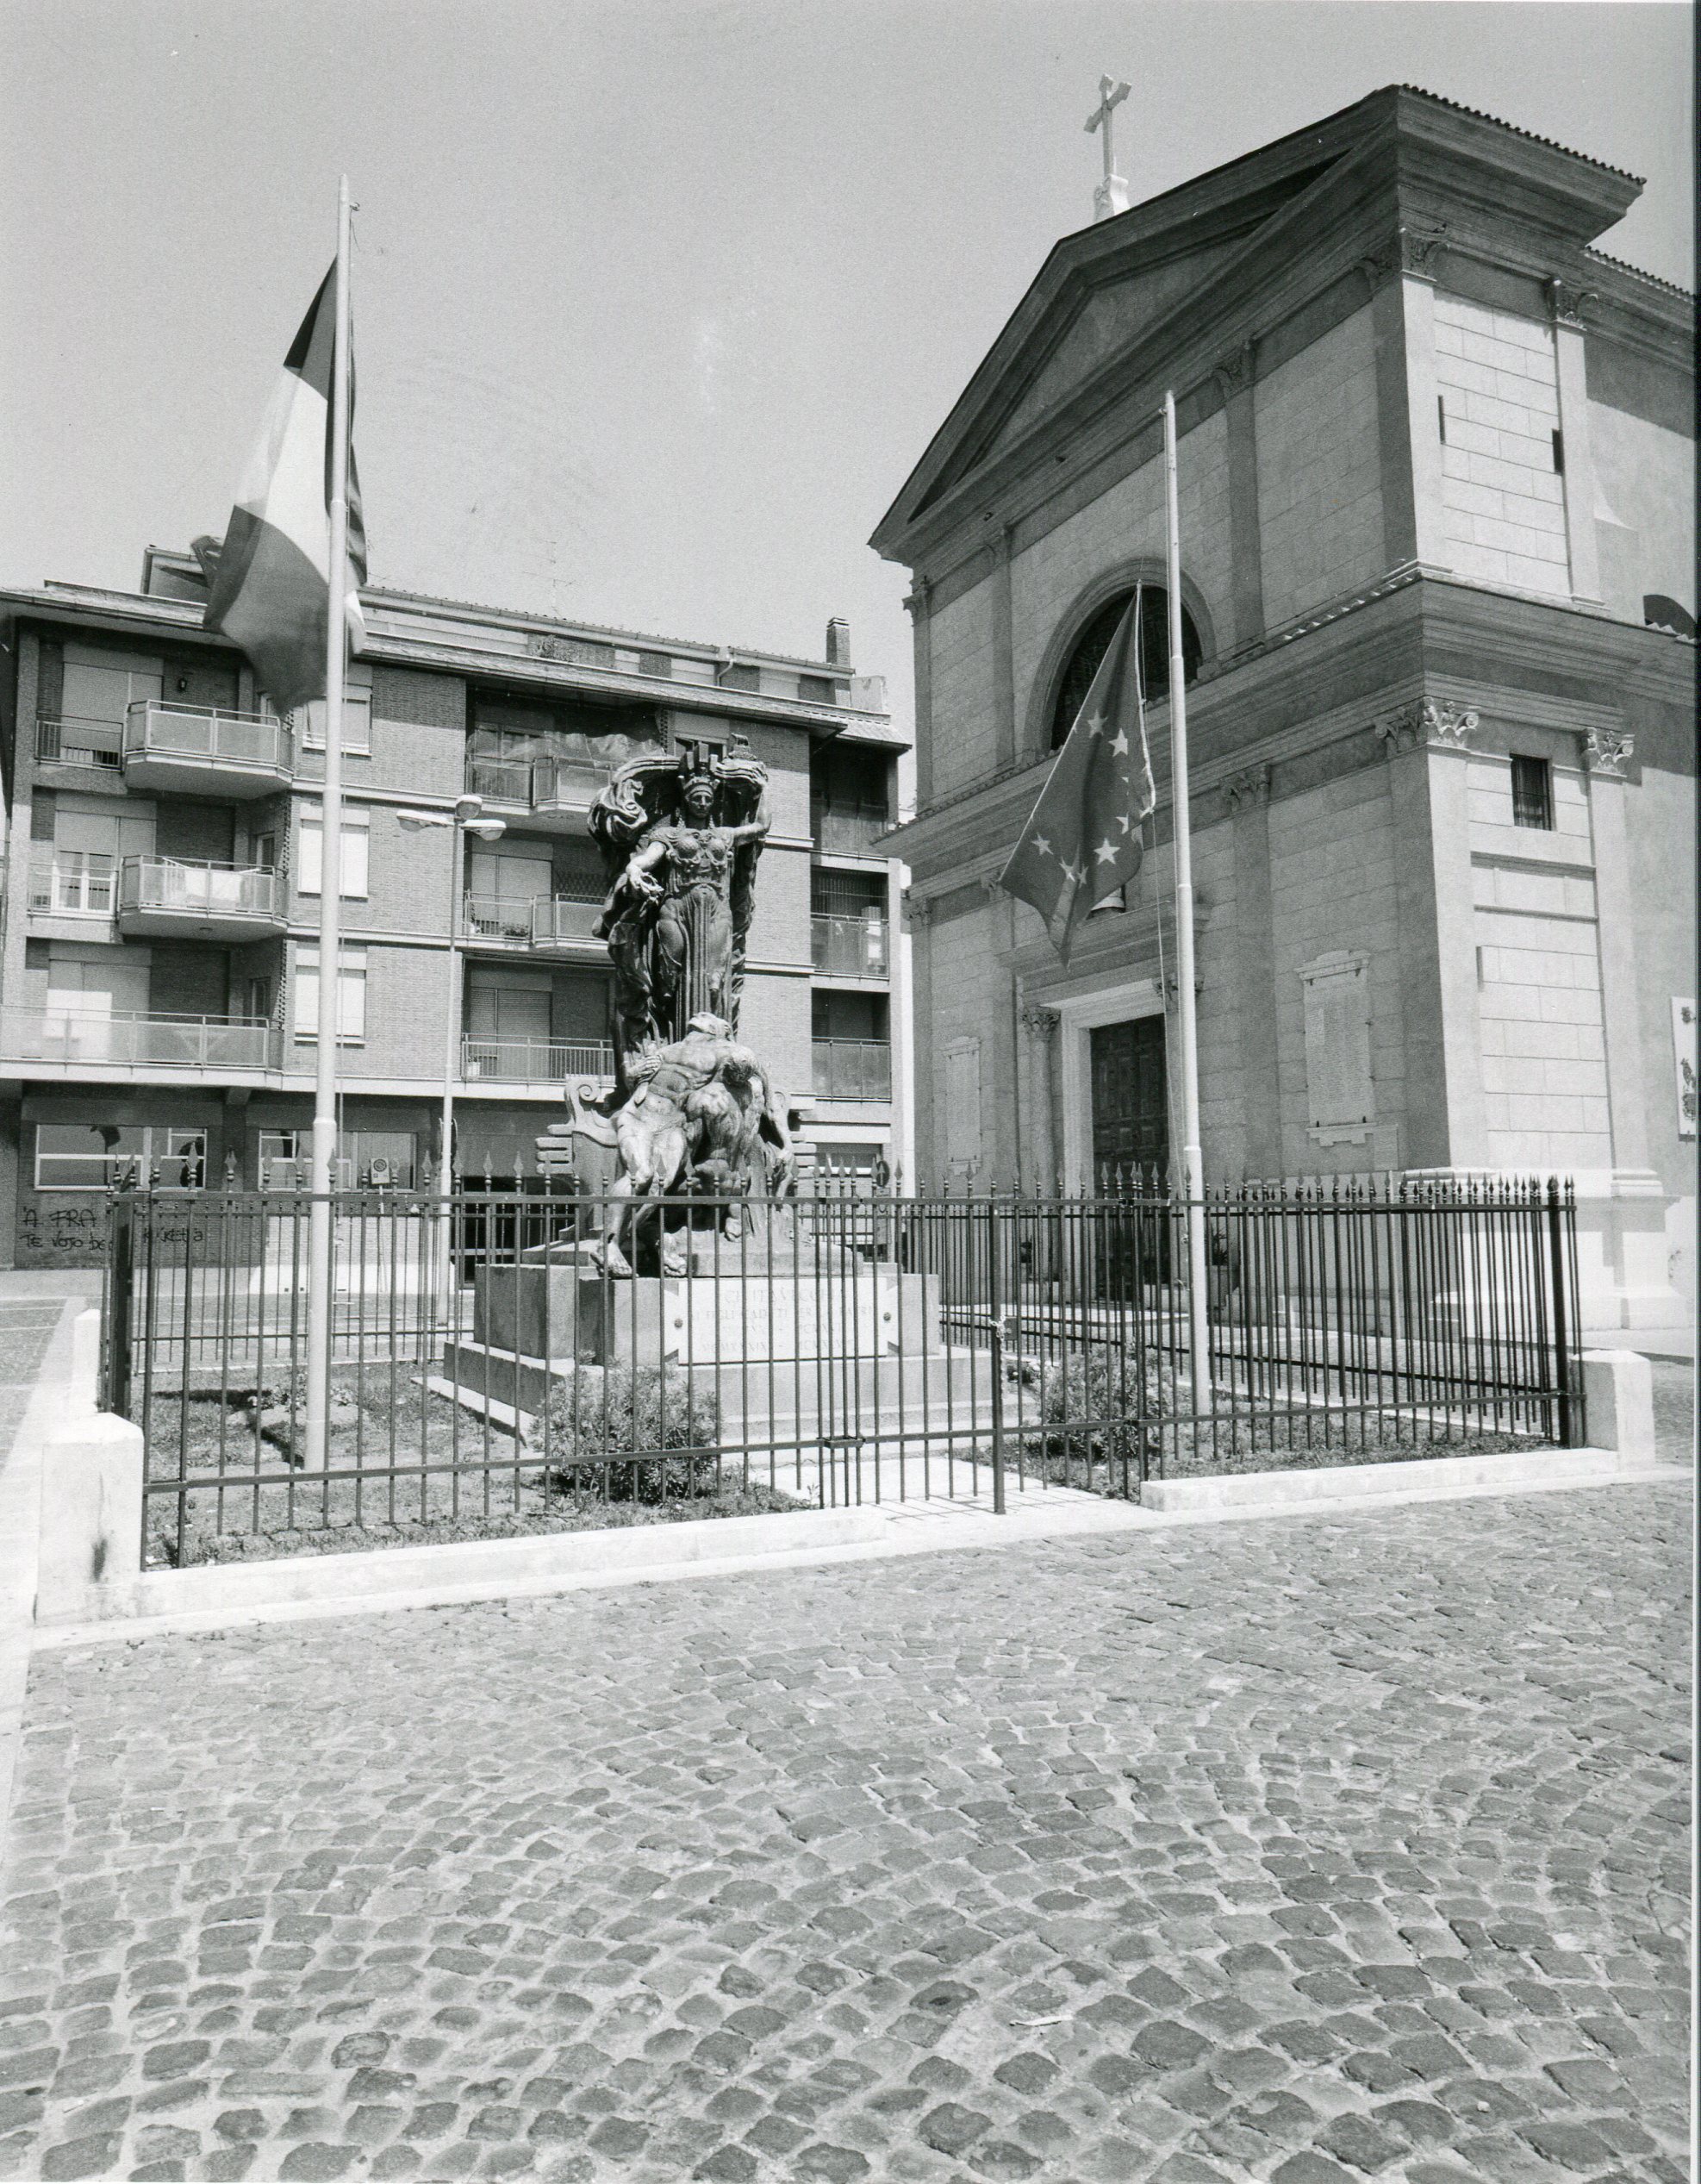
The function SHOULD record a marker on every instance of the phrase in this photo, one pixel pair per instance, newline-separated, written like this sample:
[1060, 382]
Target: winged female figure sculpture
[680, 836]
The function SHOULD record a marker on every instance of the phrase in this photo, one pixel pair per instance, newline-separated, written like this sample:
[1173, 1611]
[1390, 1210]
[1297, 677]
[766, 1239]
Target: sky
[656, 302]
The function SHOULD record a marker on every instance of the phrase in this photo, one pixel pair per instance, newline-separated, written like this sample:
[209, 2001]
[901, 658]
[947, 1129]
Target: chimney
[838, 642]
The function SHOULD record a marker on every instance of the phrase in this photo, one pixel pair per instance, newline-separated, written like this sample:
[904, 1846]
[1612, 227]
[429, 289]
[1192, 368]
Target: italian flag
[270, 584]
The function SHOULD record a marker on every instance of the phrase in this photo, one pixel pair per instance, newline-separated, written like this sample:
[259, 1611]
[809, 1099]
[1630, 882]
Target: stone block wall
[1319, 471]
[1049, 576]
[1333, 888]
[1503, 495]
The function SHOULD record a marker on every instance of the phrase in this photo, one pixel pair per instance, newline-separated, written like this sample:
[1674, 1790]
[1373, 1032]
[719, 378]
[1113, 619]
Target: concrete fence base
[88, 1567]
[89, 1556]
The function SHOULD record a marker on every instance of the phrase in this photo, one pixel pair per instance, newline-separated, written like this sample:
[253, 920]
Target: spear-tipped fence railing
[844, 1346]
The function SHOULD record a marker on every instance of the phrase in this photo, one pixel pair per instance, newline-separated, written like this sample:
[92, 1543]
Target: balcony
[102, 1039]
[848, 830]
[852, 1068]
[545, 923]
[552, 795]
[89, 747]
[847, 946]
[198, 751]
[536, 1061]
[196, 899]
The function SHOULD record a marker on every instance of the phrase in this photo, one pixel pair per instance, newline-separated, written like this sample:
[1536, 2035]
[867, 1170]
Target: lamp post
[467, 818]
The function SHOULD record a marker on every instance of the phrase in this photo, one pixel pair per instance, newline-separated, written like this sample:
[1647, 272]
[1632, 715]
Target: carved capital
[1040, 1024]
[1567, 302]
[921, 592]
[1377, 264]
[1251, 787]
[1233, 374]
[1605, 749]
[1432, 722]
[921, 910]
[1420, 248]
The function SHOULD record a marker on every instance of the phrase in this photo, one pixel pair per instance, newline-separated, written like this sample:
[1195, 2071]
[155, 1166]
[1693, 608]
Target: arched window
[1659, 612]
[1094, 641]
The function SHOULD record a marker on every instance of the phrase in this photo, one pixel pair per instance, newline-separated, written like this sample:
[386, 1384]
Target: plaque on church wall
[1683, 1049]
[1337, 1048]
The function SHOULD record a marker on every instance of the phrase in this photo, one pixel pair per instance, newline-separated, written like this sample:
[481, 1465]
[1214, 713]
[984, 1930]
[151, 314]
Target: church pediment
[1104, 292]
[1089, 331]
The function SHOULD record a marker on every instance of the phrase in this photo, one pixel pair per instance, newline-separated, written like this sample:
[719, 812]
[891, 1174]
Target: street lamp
[467, 818]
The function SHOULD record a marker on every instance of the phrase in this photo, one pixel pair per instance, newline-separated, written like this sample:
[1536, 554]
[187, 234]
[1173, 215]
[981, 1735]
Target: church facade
[1436, 463]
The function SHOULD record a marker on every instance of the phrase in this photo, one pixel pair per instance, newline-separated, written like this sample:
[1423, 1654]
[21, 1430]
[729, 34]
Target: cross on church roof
[1112, 194]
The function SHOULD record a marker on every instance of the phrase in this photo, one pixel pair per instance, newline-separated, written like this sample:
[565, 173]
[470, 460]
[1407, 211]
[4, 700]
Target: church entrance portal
[1131, 1144]
[1131, 1100]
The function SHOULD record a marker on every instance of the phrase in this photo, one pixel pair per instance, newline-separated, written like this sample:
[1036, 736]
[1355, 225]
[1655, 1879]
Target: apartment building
[158, 981]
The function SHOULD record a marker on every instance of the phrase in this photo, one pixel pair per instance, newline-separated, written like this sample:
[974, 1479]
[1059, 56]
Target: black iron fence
[512, 1360]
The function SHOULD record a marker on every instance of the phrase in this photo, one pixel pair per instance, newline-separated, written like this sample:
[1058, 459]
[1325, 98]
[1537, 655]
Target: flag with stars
[1083, 842]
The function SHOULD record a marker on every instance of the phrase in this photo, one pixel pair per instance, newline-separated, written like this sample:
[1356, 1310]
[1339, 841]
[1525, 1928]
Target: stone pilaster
[1605, 752]
[1403, 312]
[921, 943]
[1246, 796]
[1446, 1122]
[1042, 1161]
[917, 604]
[1235, 377]
[1564, 307]
[1004, 653]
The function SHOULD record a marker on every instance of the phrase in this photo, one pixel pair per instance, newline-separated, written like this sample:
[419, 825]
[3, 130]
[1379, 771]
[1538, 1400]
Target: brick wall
[1319, 471]
[1503, 499]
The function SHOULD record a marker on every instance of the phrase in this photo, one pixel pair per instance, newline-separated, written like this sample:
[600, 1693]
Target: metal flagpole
[1193, 1158]
[321, 1233]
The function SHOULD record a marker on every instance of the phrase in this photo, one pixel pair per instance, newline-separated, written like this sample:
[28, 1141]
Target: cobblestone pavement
[1303, 1850]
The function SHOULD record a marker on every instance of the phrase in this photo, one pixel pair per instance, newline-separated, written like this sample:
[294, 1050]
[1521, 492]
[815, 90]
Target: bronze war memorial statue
[693, 1111]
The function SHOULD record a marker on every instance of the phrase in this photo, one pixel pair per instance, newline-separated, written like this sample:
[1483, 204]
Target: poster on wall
[1683, 1047]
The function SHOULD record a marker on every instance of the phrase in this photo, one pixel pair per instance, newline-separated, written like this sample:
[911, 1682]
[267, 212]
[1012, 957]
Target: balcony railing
[852, 1068]
[164, 1041]
[848, 830]
[564, 917]
[74, 884]
[501, 781]
[494, 917]
[68, 741]
[154, 729]
[541, 921]
[536, 1061]
[200, 888]
[562, 784]
[850, 947]
[541, 785]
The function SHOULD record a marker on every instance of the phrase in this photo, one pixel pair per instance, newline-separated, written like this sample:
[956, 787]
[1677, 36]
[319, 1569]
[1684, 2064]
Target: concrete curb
[810, 1537]
[1508, 1471]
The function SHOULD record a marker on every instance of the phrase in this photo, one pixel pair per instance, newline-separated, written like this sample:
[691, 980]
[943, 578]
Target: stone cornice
[1467, 652]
